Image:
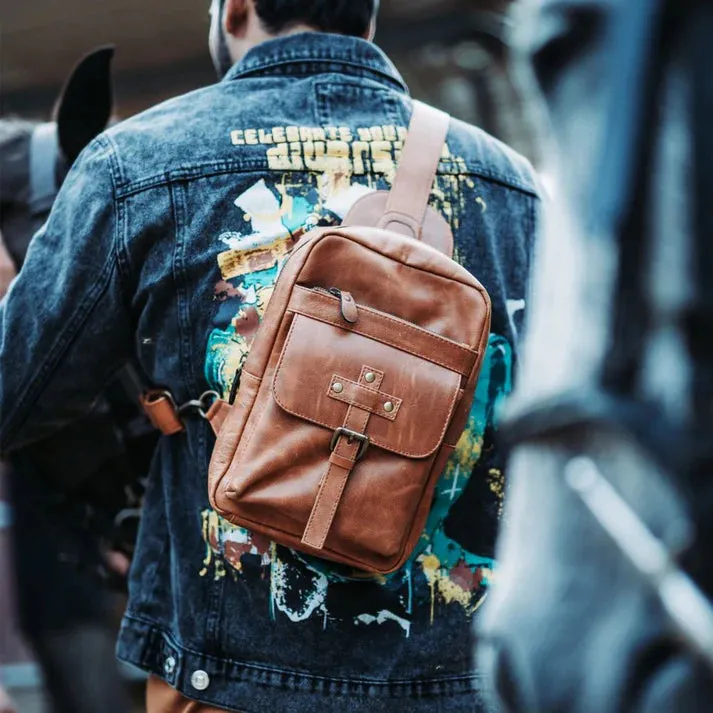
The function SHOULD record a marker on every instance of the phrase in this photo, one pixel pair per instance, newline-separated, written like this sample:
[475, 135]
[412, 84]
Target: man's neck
[295, 30]
[258, 36]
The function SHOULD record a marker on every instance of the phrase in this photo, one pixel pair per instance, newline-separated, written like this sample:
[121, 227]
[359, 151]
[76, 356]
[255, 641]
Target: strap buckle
[351, 436]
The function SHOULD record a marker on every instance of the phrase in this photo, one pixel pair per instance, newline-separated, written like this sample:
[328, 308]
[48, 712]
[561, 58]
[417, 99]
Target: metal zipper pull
[347, 305]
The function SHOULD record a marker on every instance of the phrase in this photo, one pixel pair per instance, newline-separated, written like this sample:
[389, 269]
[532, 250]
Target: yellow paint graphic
[210, 525]
[444, 588]
[496, 483]
[234, 263]
[227, 544]
[467, 452]
[371, 150]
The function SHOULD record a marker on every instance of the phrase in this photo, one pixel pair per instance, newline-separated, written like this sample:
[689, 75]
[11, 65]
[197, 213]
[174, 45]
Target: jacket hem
[253, 688]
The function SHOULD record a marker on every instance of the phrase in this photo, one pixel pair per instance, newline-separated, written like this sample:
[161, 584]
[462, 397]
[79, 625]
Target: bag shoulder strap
[405, 208]
[416, 172]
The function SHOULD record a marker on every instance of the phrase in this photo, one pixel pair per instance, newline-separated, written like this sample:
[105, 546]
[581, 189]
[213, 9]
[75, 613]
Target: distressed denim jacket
[164, 246]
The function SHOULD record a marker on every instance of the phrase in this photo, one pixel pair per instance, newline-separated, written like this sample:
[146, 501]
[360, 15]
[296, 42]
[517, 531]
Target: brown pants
[161, 698]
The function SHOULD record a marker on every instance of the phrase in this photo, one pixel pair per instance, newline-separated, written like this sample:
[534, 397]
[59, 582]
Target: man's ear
[85, 104]
[235, 19]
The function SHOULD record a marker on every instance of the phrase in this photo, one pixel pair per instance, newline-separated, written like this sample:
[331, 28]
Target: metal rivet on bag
[337, 387]
[388, 407]
[370, 377]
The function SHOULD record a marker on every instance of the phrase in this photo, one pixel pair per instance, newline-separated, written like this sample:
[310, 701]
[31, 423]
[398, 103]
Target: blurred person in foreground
[6, 705]
[164, 245]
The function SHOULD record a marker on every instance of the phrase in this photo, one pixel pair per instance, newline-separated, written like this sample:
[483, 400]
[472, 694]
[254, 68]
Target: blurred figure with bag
[74, 496]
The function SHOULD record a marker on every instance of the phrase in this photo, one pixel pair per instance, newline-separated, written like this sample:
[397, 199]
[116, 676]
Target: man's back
[210, 193]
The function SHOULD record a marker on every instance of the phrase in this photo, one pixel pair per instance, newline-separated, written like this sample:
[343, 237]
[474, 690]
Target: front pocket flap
[322, 372]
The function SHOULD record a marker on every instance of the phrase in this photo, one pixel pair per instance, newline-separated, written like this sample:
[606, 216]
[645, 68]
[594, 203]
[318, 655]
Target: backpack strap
[405, 208]
[409, 196]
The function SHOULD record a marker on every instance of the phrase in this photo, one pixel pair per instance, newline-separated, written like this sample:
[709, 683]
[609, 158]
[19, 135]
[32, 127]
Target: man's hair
[344, 17]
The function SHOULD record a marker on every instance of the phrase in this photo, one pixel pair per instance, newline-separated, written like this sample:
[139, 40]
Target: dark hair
[344, 17]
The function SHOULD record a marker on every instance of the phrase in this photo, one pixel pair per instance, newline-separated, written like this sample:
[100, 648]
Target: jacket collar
[309, 52]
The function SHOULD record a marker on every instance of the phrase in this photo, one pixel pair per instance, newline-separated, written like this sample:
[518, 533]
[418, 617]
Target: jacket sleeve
[64, 324]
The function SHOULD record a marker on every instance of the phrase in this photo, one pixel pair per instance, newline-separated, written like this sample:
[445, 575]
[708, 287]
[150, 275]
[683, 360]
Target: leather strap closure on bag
[416, 172]
[349, 444]
[217, 414]
[371, 400]
[167, 416]
[162, 411]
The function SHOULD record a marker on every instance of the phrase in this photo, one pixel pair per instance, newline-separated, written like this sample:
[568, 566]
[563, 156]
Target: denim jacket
[164, 246]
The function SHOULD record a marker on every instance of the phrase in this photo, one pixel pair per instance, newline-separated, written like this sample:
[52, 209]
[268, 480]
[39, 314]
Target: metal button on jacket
[200, 680]
[169, 665]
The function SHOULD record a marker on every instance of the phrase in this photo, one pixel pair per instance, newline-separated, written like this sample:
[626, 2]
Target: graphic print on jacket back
[269, 218]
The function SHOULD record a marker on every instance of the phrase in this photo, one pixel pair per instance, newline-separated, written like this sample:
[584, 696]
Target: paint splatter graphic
[269, 219]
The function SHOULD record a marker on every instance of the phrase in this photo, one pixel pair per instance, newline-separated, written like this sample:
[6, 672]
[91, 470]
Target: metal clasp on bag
[351, 436]
[201, 405]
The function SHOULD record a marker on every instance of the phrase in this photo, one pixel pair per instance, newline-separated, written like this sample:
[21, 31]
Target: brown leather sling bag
[360, 379]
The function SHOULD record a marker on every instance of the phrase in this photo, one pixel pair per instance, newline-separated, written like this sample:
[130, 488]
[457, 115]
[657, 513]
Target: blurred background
[453, 53]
